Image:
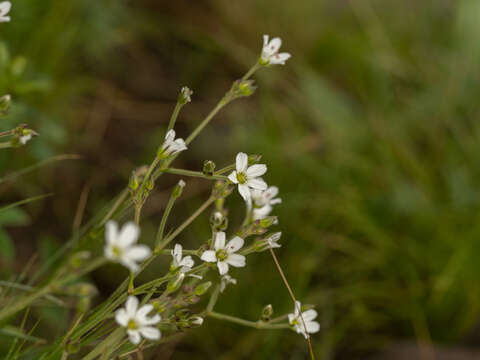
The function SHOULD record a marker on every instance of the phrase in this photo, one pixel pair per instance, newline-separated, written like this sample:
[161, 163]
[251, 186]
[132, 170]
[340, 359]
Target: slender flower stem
[224, 101]
[310, 349]
[163, 222]
[174, 116]
[253, 324]
[225, 169]
[213, 299]
[196, 174]
[251, 71]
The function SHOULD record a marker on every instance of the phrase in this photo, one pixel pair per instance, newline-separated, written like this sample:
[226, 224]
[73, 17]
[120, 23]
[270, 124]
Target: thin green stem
[196, 174]
[253, 324]
[174, 116]
[163, 222]
[225, 169]
[213, 299]
[224, 101]
[251, 71]
[5, 145]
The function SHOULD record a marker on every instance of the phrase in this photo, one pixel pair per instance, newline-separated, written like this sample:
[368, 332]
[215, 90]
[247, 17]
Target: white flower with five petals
[120, 245]
[5, 7]
[247, 177]
[136, 321]
[171, 146]
[270, 54]
[297, 321]
[263, 201]
[184, 263]
[224, 255]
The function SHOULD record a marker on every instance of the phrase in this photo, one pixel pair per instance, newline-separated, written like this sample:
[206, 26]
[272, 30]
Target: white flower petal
[152, 321]
[143, 311]
[309, 315]
[312, 326]
[233, 177]
[128, 235]
[235, 244]
[279, 59]
[111, 232]
[138, 253]
[134, 336]
[170, 136]
[241, 162]
[222, 267]
[257, 183]
[236, 260]
[129, 264]
[121, 317]
[271, 192]
[5, 7]
[187, 261]
[256, 170]
[244, 192]
[131, 306]
[219, 240]
[209, 256]
[150, 333]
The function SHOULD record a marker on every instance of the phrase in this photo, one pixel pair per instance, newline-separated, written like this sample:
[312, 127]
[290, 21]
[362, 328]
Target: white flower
[247, 177]
[272, 240]
[263, 201]
[171, 145]
[25, 138]
[196, 321]
[308, 316]
[185, 95]
[224, 255]
[226, 279]
[120, 246]
[136, 321]
[5, 7]
[270, 54]
[185, 264]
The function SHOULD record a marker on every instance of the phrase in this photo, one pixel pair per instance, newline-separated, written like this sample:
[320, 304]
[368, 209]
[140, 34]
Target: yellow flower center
[221, 255]
[117, 251]
[241, 177]
[132, 325]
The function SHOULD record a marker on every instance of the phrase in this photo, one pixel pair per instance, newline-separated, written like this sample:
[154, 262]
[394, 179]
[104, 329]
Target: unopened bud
[254, 158]
[267, 313]
[5, 102]
[195, 321]
[133, 182]
[268, 221]
[185, 95]
[208, 167]
[150, 184]
[175, 284]
[241, 88]
[160, 305]
[178, 189]
[219, 221]
[202, 288]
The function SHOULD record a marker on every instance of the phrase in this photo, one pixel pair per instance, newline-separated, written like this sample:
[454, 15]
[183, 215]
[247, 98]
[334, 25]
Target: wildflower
[121, 246]
[136, 321]
[247, 177]
[171, 145]
[308, 316]
[272, 240]
[226, 279]
[270, 54]
[263, 201]
[195, 321]
[224, 255]
[5, 7]
[185, 95]
[184, 263]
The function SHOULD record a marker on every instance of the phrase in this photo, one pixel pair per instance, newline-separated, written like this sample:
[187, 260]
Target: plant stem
[196, 174]
[224, 101]
[213, 299]
[174, 116]
[163, 222]
[253, 324]
[110, 341]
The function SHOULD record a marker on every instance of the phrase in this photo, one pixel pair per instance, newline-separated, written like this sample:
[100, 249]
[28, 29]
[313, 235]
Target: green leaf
[18, 333]
[7, 250]
[14, 217]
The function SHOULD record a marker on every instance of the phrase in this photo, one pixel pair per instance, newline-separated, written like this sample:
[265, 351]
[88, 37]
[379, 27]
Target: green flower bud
[195, 321]
[202, 288]
[185, 95]
[5, 103]
[133, 182]
[254, 158]
[242, 88]
[208, 167]
[267, 313]
[268, 221]
[174, 285]
[178, 189]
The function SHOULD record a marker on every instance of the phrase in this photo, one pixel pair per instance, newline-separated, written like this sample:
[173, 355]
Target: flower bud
[208, 167]
[175, 284]
[5, 103]
[219, 221]
[202, 288]
[133, 182]
[195, 321]
[185, 95]
[160, 305]
[268, 221]
[149, 185]
[178, 189]
[254, 158]
[241, 88]
[267, 313]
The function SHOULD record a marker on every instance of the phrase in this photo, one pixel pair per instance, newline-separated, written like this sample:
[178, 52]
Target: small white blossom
[185, 95]
[196, 320]
[224, 255]
[247, 177]
[25, 138]
[308, 316]
[226, 279]
[136, 321]
[270, 54]
[120, 245]
[171, 145]
[5, 7]
[263, 201]
[185, 264]
[272, 240]
[181, 183]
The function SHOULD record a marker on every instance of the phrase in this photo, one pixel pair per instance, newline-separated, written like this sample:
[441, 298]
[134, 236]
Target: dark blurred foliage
[370, 131]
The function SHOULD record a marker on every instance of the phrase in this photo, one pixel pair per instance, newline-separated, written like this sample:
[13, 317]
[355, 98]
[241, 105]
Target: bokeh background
[370, 131]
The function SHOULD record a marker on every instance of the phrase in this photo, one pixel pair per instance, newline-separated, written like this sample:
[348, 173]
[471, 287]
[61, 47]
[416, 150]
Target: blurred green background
[370, 131]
